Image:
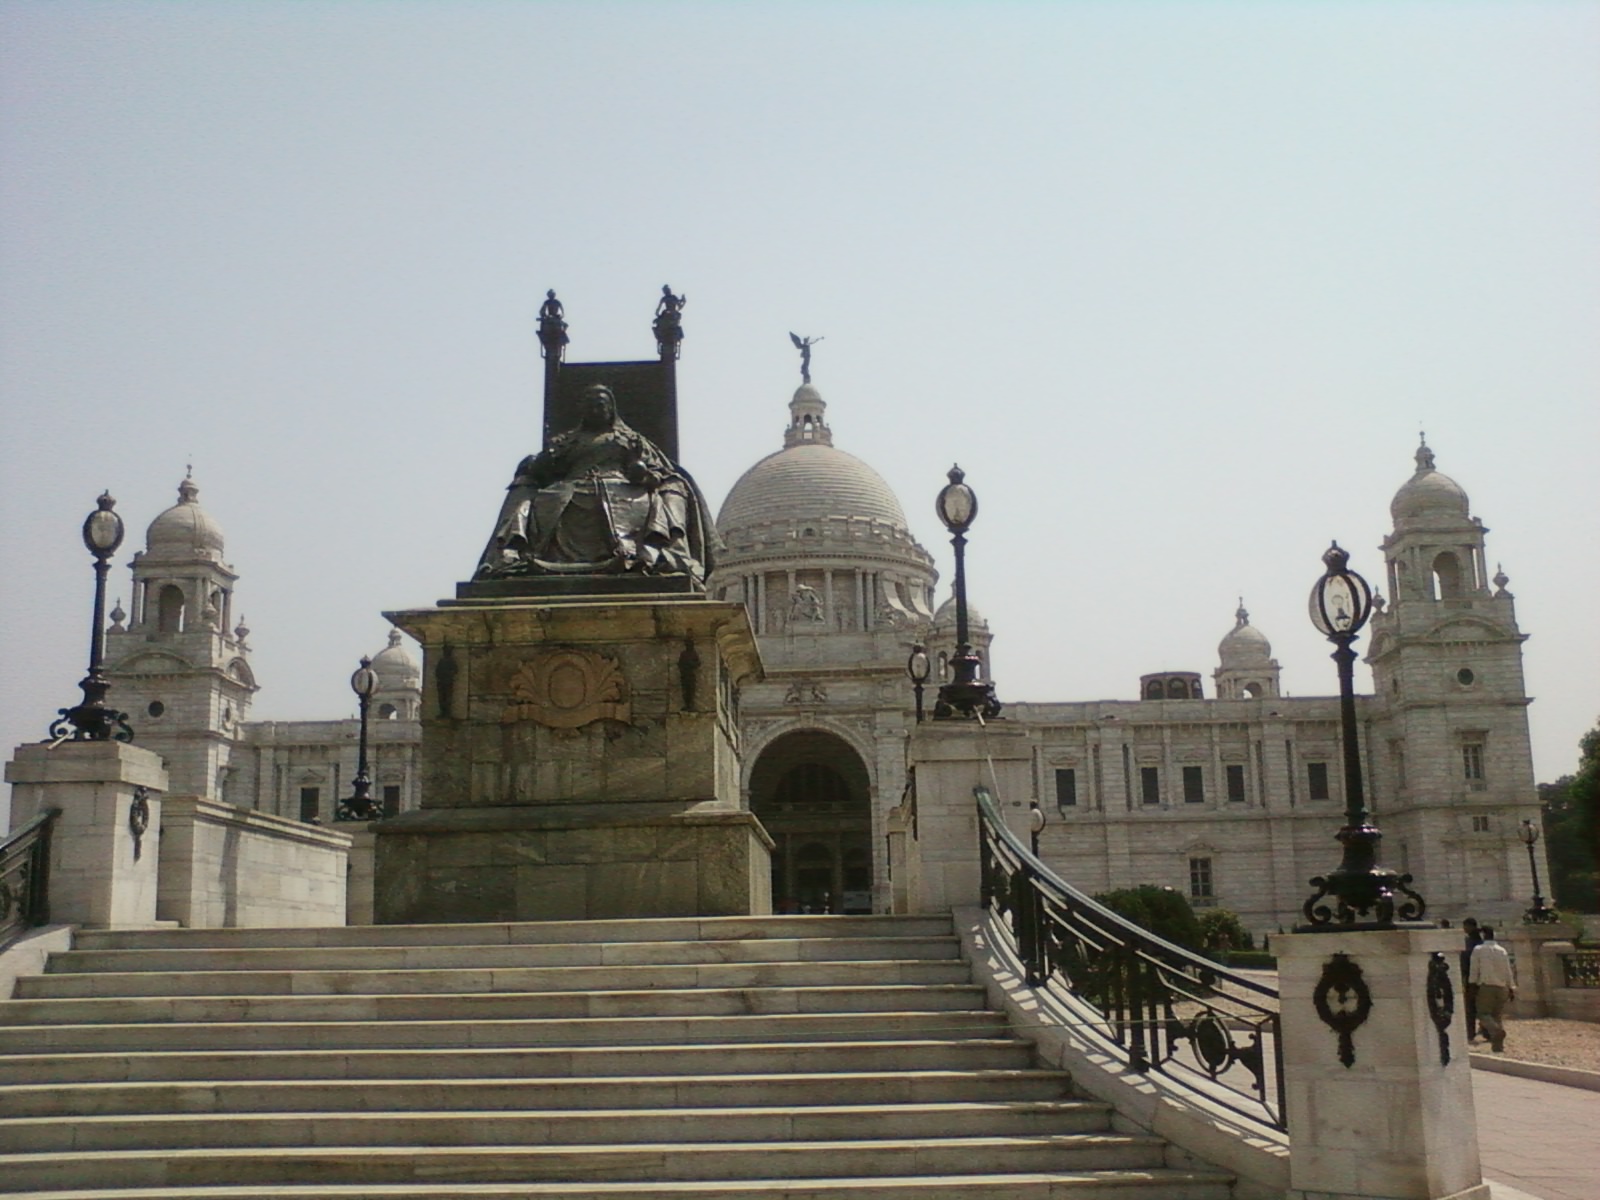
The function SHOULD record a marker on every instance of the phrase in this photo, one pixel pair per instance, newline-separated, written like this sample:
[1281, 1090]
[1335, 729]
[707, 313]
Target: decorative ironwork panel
[1187, 1022]
[1441, 1002]
[25, 876]
[1343, 1002]
[1581, 969]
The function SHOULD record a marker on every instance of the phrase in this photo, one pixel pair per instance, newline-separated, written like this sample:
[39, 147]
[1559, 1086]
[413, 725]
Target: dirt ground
[1552, 1042]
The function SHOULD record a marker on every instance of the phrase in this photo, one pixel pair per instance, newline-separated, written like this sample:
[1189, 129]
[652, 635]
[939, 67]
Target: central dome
[809, 481]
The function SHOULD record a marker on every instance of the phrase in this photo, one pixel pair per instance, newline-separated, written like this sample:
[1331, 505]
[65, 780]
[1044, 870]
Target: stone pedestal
[1536, 982]
[1397, 1121]
[579, 760]
[102, 857]
[951, 758]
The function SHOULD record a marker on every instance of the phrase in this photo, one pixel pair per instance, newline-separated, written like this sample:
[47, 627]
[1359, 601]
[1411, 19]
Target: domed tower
[180, 666]
[1450, 711]
[399, 694]
[942, 640]
[818, 550]
[1246, 668]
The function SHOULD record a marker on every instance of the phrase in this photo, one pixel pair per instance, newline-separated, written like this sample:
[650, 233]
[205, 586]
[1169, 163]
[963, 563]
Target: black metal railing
[1580, 969]
[25, 876]
[1211, 1033]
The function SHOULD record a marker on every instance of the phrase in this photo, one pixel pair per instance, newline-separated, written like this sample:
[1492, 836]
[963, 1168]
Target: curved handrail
[25, 875]
[1204, 1029]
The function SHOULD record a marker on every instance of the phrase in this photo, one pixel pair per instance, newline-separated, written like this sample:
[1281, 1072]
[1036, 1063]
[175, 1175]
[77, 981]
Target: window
[1317, 780]
[391, 799]
[169, 609]
[1200, 893]
[1194, 786]
[1235, 783]
[1150, 784]
[1153, 690]
[1066, 787]
[310, 803]
[1480, 824]
[1472, 761]
[1397, 751]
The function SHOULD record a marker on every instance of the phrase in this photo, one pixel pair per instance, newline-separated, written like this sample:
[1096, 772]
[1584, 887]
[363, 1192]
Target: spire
[1242, 616]
[187, 490]
[1424, 455]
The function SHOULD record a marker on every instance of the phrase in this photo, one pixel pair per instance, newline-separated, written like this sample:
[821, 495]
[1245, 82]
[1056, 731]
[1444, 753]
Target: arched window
[170, 609]
[1252, 691]
[1153, 690]
[387, 712]
[1447, 576]
[1177, 689]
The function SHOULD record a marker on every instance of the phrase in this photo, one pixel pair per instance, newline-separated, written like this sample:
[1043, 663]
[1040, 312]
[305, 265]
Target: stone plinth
[1397, 1123]
[951, 758]
[580, 759]
[102, 872]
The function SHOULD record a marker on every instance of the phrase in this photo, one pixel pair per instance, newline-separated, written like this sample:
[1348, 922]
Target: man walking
[1472, 937]
[1491, 974]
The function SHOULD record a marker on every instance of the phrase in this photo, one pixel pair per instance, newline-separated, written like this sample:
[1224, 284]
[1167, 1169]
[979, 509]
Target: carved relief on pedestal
[566, 689]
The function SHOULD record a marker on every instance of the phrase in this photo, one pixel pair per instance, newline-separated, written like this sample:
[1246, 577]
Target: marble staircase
[775, 1058]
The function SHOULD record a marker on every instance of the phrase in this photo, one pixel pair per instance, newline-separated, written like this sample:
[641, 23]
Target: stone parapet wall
[223, 866]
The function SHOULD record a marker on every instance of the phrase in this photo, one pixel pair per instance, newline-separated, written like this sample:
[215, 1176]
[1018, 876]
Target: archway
[811, 791]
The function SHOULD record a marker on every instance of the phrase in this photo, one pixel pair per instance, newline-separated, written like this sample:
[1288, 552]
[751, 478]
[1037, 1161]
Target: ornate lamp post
[359, 807]
[1540, 913]
[918, 669]
[965, 695]
[1036, 824]
[94, 720]
[1341, 602]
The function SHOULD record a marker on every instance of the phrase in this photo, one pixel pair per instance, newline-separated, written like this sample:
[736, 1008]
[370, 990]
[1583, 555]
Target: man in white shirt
[1492, 975]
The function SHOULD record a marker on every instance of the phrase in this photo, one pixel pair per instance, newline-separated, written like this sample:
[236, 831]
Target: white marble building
[1233, 799]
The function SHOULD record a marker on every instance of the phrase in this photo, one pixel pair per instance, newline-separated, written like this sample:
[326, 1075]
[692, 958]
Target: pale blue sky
[1176, 283]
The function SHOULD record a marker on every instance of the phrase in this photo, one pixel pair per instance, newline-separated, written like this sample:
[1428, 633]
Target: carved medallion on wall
[566, 689]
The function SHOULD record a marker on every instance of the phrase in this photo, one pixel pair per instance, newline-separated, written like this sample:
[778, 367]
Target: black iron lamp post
[965, 695]
[94, 720]
[918, 669]
[359, 807]
[1541, 913]
[1036, 824]
[1341, 602]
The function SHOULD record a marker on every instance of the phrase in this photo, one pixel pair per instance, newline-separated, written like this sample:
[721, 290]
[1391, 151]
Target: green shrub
[1221, 929]
[1249, 960]
[1164, 911]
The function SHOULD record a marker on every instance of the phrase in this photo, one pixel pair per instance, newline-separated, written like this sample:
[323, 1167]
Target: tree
[1164, 911]
[1571, 819]
[1221, 929]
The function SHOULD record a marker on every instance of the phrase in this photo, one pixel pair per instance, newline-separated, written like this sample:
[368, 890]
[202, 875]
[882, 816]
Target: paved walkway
[1541, 1139]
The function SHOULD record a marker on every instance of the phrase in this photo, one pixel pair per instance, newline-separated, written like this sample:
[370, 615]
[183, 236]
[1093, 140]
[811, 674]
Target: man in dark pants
[1470, 990]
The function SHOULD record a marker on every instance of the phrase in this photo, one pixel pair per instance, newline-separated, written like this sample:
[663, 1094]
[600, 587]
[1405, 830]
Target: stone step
[508, 1095]
[598, 1031]
[560, 954]
[626, 1162]
[481, 1006]
[497, 979]
[675, 929]
[850, 1057]
[1143, 1184]
[553, 1127]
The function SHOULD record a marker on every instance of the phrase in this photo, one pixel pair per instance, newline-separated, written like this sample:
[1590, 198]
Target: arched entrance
[811, 792]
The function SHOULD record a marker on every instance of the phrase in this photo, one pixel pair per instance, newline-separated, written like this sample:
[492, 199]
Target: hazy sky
[1176, 283]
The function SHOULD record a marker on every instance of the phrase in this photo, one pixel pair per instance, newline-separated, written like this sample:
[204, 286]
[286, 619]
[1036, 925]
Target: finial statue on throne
[668, 324]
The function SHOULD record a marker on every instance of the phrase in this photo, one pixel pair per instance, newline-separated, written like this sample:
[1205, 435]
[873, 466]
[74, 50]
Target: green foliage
[1221, 929]
[1250, 960]
[1162, 910]
[1571, 812]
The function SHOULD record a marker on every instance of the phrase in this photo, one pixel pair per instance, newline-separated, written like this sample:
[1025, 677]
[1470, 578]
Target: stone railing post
[1378, 1084]
[104, 850]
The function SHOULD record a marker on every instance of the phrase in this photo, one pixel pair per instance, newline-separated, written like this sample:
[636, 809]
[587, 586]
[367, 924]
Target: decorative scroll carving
[1343, 979]
[1441, 1002]
[567, 689]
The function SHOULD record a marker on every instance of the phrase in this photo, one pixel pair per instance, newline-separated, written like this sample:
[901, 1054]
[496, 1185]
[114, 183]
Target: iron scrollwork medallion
[1441, 1002]
[1342, 978]
[139, 817]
